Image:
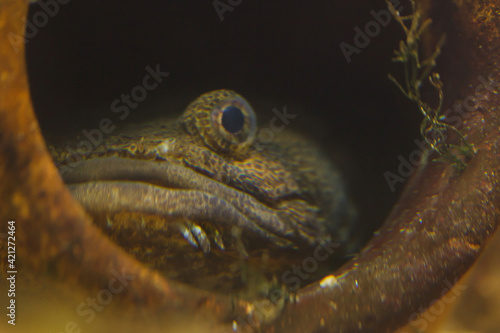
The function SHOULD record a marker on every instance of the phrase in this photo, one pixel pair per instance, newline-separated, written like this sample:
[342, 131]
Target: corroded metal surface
[55, 237]
[439, 226]
[435, 232]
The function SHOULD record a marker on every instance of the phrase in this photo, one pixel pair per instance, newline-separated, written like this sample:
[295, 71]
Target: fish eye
[232, 119]
[223, 119]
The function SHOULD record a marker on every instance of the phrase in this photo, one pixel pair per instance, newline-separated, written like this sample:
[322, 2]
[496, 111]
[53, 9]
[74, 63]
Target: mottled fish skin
[193, 174]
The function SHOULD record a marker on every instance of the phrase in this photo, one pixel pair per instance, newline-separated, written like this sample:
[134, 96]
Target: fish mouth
[171, 192]
[186, 225]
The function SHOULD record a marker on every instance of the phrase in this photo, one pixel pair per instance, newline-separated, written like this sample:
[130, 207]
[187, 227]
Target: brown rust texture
[51, 229]
[433, 235]
[442, 221]
[55, 238]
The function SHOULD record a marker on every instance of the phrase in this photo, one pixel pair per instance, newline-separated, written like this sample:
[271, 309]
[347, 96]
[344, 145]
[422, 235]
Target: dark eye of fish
[232, 119]
[224, 120]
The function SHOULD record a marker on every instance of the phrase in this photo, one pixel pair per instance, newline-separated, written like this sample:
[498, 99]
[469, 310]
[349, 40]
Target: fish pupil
[233, 119]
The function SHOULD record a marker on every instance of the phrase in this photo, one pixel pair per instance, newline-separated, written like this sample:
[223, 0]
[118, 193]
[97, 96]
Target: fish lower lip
[114, 197]
[113, 184]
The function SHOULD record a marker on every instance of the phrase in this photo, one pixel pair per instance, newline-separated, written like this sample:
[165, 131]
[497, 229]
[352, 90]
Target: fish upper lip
[162, 180]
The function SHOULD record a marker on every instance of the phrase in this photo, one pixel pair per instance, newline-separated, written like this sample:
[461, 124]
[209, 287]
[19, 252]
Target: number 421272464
[11, 250]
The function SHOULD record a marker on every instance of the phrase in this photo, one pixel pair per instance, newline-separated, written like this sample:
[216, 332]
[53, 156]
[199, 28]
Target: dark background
[274, 53]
